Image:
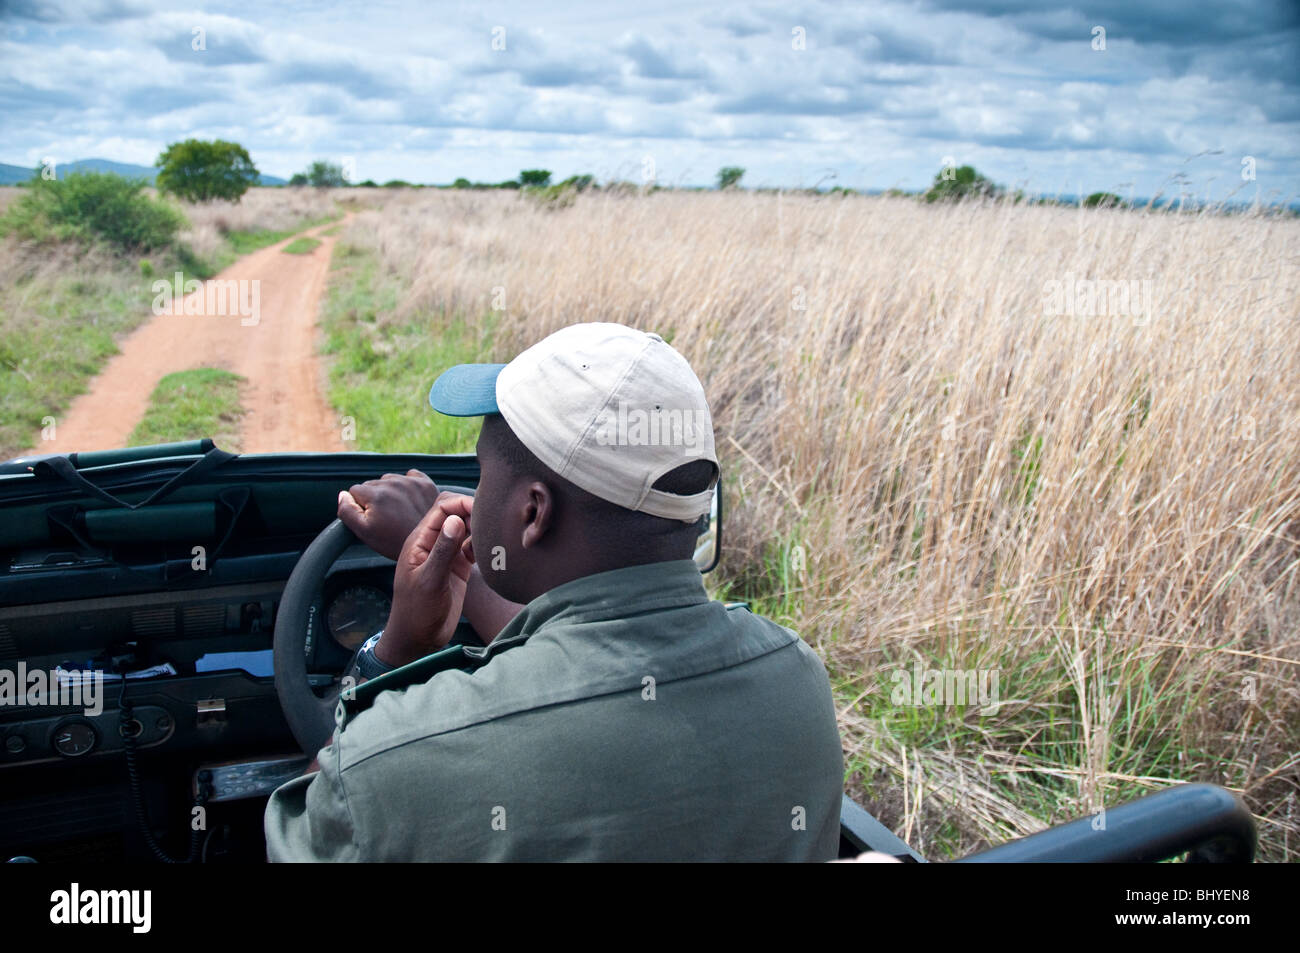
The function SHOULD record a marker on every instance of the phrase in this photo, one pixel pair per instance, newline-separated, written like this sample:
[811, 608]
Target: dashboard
[197, 702]
[139, 590]
[162, 642]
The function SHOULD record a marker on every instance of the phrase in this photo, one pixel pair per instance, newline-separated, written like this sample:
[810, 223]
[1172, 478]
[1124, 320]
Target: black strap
[234, 499]
[62, 468]
[65, 517]
[68, 517]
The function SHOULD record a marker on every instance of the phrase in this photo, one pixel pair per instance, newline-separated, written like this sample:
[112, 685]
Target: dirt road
[266, 334]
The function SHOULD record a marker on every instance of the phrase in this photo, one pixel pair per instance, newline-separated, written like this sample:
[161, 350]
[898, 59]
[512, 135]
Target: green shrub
[322, 175]
[553, 196]
[580, 182]
[1104, 200]
[90, 206]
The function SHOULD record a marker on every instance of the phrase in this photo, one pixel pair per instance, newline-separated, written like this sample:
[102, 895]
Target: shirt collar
[615, 594]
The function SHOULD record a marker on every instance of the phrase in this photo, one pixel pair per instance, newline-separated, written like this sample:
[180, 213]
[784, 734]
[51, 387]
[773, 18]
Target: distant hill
[12, 174]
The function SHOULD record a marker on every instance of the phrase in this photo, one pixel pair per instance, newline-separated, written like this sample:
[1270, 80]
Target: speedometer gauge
[356, 614]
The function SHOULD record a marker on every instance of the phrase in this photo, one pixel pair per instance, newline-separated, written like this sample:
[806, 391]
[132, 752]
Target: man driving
[620, 714]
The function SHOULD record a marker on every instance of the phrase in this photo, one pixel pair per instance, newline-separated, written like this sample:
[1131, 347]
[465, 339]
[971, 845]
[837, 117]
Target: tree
[952, 184]
[461, 183]
[201, 171]
[323, 175]
[537, 177]
[298, 179]
[729, 176]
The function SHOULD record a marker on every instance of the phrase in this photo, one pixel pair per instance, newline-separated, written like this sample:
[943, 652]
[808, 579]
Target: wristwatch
[365, 663]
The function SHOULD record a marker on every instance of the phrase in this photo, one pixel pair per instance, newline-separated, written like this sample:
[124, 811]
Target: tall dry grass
[923, 464]
[260, 209]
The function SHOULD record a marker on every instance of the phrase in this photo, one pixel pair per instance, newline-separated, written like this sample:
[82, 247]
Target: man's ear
[539, 513]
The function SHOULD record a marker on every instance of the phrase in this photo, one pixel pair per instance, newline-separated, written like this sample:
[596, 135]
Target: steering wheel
[310, 716]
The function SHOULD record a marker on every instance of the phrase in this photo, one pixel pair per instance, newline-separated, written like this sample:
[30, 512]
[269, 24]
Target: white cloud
[880, 94]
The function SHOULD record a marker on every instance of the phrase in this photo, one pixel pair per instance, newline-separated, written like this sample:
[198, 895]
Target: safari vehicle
[216, 600]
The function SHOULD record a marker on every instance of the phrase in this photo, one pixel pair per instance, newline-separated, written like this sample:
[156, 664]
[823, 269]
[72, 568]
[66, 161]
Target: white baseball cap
[609, 408]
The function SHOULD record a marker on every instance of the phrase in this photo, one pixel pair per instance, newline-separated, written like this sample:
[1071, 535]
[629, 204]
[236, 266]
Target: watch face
[368, 665]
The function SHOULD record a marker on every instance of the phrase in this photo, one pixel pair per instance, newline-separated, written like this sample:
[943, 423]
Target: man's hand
[383, 512]
[433, 571]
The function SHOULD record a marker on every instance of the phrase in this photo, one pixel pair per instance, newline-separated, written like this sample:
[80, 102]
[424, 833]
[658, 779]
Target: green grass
[1027, 745]
[1036, 786]
[202, 402]
[301, 246]
[245, 243]
[56, 332]
[242, 243]
[381, 368]
[331, 232]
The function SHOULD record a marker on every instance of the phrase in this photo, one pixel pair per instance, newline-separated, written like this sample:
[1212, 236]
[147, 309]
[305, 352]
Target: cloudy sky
[867, 95]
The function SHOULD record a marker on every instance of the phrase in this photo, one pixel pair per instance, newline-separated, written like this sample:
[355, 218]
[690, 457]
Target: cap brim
[466, 390]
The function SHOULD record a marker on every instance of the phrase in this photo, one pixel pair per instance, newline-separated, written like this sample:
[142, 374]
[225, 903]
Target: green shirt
[638, 720]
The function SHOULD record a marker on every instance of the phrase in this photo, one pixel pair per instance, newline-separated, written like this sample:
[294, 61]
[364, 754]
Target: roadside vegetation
[220, 232]
[78, 258]
[383, 357]
[204, 401]
[931, 467]
[92, 207]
